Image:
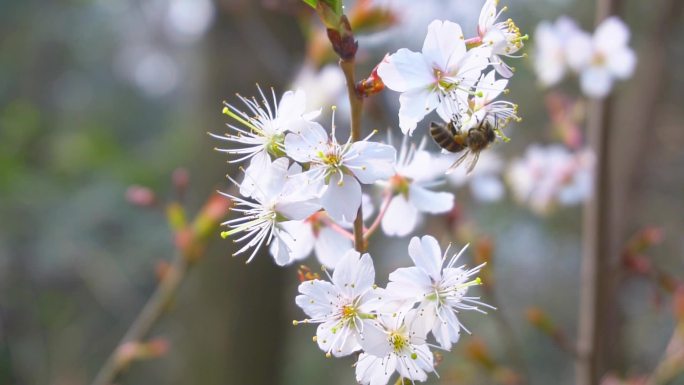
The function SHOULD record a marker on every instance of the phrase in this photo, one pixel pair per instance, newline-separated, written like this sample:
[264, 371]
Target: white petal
[280, 251]
[446, 329]
[414, 105]
[579, 51]
[411, 283]
[611, 34]
[487, 188]
[405, 70]
[596, 82]
[302, 238]
[429, 201]
[372, 161]
[354, 274]
[342, 200]
[305, 145]
[400, 218]
[427, 255]
[374, 340]
[444, 44]
[622, 63]
[372, 370]
[258, 167]
[330, 246]
[340, 341]
[315, 298]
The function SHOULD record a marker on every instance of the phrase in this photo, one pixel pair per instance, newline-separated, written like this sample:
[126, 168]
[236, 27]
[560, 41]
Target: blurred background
[96, 96]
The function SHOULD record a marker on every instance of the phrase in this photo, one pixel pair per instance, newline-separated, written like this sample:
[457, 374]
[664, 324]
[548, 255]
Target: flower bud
[141, 196]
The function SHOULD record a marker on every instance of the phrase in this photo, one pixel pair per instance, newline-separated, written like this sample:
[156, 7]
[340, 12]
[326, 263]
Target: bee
[452, 138]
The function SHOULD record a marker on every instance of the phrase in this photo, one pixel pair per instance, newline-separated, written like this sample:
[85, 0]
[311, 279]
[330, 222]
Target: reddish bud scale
[342, 40]
[678, 304]
[478, 352]
[371, 85]
[304, 274]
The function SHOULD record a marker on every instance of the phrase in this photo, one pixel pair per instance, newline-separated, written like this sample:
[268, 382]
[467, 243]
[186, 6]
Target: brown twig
[596, 254]
[356, 104]
[149, 315]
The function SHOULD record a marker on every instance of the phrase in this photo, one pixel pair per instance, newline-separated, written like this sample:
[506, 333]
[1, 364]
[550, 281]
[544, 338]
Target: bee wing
[458, 162]
[473, 162]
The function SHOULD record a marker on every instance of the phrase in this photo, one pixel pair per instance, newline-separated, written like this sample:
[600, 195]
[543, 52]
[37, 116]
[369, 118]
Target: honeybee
[452, 138]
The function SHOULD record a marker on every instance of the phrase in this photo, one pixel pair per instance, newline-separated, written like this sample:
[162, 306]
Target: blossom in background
[552, 175]
[323, 87]
[597, 59]
[338, 169]
[503, 37]
[440, 289]
[550, 61]
[485, 181]
[395, 342]
[278, 198]
[316, 234]
[441, 76]
[602, 58]
[264, 129]
[344, 306]
[416, 174]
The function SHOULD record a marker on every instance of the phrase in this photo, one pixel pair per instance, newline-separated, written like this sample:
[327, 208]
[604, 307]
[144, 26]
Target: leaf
[335, 5]
[311, 3]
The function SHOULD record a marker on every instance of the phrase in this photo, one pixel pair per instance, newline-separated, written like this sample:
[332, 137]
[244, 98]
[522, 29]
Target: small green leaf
[335, 5]
[311, 3]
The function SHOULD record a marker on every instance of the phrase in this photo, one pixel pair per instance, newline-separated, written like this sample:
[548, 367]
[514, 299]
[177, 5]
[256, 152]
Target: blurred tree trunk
[238, 311]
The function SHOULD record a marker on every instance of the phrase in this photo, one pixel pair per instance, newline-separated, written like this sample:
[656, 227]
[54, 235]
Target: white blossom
[503, 37]
[264, 129]
[552, 175]
[395, 342]
[550, 61]
[483, 104]
[440, 76]
[339, 168]
[344, 306]
[602, 58]
[279, 198]
[416, 175]
[440, 289]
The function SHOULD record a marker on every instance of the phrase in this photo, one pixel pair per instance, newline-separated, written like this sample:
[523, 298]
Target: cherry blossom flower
[279, 198]
[439, 76]
[503, 37]
[344, 306]
[550, 58]
[485, 181]
[552, 175]
[264, 129]
[440, 289]
[602, 58]
[339, 168]
[410, 186]
[395, 342]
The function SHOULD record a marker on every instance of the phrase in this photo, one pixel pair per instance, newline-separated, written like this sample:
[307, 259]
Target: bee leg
[473, 162]
[458, 162]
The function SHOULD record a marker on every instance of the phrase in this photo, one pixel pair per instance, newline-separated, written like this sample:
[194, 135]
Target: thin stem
[148, 316]
[597, 254]
[328, 222]
[356, 104]
[381, 214]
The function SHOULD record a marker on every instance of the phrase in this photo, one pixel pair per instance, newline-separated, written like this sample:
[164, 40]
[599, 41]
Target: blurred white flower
[410, 187]
[188, 20]
[395, 342]
[344, 306]
[279, 198]
[338, 169]
[552, 175]
[440, 76]
[602, 58]
[503, 37]
[439, 289]
[484, 181]
[324, 87]
[550, 61]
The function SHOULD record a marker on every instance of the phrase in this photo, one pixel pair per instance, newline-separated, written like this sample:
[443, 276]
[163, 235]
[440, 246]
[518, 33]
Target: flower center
[332, 159]
[348, 312]
[599, 60]
[400, 185]
[398, 341]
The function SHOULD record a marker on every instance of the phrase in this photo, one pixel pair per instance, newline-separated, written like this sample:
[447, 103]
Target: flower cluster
[303, 192]
[550, 176]
[449, 74]
[390, 326]
[597, 59]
